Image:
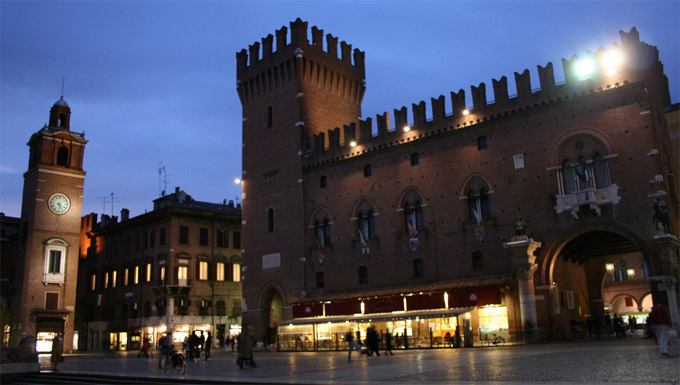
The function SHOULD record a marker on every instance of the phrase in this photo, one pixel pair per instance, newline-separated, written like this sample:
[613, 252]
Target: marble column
[523, 259]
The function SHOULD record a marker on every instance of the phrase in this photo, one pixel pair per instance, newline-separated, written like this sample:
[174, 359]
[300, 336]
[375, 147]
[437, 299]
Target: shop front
[439, 319]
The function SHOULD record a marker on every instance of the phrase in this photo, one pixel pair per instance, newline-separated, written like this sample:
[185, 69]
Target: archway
[272, 304]
[583, 281]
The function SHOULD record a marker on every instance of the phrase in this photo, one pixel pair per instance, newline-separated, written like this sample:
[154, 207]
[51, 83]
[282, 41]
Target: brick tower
[46, 269]
[288, 96]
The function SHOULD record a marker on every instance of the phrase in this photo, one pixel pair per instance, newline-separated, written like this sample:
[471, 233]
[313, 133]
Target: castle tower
[47, 264]
[288, 95]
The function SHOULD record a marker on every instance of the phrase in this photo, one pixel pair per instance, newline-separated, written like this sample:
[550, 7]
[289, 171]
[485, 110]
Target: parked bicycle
[496, 340]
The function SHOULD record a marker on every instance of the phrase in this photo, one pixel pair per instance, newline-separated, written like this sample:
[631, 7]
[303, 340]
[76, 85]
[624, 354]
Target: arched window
[484, 203]
[270, 220]
[601, 172]
[479, 208]
[367, 225]
[270, 117]
[323, 233]
[568, 177]
[363, 275]
[413, 217]
[62, 156]
[63, 122]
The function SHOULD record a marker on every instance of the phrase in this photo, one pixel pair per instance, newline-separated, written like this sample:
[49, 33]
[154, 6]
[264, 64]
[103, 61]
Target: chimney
[124, 215]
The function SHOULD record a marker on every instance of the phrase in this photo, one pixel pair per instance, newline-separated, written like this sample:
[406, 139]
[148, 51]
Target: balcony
[53, 278]
[590, 197]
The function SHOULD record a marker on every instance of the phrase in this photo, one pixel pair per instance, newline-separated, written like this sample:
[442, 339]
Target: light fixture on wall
[630, 272]
[610, 268]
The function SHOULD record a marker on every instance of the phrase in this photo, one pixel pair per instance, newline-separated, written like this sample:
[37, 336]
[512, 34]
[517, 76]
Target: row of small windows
[183, 306]
[479, 210]
[148, 239]
[218, 271]
[418, 270]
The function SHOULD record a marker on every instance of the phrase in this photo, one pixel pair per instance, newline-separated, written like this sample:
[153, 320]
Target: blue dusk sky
[153, 83]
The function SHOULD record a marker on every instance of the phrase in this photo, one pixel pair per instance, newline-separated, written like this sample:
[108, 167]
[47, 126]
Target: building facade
[175, 269]
[494, 219]
[44, 269]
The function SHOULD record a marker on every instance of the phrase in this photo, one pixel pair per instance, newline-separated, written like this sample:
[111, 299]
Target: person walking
[245, 351]
[662, 324]
[372, 342]
[349, 337]
[144, 351]
[207, 345]
[57, 351]
[388, 342]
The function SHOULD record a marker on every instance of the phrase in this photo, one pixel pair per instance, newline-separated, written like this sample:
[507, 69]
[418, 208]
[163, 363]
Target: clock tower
[46, 269]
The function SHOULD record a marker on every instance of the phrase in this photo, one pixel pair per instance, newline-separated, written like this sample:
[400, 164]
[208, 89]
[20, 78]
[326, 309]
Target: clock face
[59, 203]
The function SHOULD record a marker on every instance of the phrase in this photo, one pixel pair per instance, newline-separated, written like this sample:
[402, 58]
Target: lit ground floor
[102, 335]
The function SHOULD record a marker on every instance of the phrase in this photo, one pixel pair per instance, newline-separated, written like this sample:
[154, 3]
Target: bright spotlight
[466, 112]
[353, 143]
[611, 61]
[585, 68]
[407, 128]
[237, 180]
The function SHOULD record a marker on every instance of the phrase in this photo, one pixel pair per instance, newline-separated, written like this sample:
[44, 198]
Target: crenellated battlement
[260, 68]
[638, 61]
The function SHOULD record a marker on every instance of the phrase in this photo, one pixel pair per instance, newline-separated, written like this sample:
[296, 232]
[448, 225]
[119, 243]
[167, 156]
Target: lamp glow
[610, 268]
[631, 273]
[611, 61]
[353, 143]
[407, 128]
[584, 68]
[237, 181]
[466, 112]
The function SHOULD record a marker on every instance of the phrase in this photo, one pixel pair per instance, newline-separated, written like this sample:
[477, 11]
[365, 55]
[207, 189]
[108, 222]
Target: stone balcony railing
[594, 198]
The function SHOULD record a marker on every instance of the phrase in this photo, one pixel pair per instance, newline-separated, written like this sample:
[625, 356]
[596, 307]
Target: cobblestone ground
[631, 361]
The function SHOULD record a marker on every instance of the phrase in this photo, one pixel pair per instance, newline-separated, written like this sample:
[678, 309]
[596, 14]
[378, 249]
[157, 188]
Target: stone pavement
[626, 361]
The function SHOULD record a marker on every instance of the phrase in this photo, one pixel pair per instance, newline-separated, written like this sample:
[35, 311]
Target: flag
[365, 250]
[478, 216]
[581, 172]
[412, 232]
[100, 299]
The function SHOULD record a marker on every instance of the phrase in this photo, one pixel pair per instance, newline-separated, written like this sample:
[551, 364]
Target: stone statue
[661, 215]
[521, 229]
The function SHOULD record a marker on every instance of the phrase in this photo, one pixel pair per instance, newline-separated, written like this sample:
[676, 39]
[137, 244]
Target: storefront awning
[437, 313]
[497, 281]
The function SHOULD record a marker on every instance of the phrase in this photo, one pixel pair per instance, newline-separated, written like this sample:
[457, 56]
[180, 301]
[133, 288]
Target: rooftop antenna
[63, 81]
[162, 179]
[105, 200]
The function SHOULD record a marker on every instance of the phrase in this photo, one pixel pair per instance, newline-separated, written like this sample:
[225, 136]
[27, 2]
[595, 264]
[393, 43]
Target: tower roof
[60, 102]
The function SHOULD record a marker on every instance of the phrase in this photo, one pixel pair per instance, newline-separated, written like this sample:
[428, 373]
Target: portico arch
[573, 270]
[272, 303]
